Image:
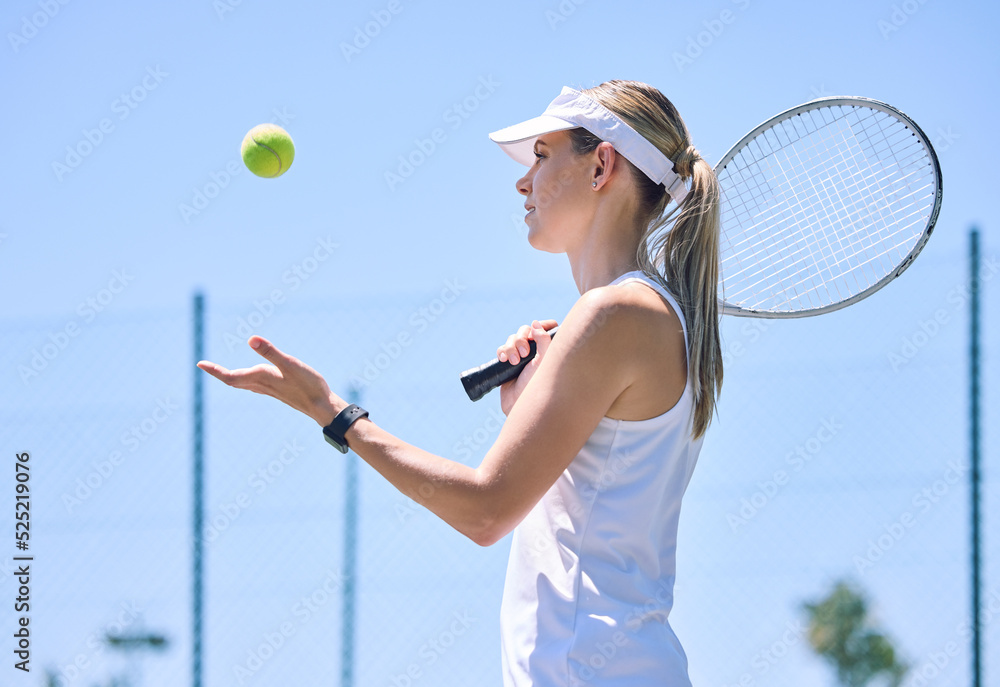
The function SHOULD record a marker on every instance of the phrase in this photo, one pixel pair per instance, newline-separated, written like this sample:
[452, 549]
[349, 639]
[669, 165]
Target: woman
[605, 424]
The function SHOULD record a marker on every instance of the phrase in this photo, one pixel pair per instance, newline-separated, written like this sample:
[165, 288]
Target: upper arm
[583, 371]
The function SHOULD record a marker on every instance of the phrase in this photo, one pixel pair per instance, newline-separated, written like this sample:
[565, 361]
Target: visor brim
[518, 141]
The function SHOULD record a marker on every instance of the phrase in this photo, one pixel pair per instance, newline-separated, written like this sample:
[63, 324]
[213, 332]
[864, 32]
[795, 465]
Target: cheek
[552, 186]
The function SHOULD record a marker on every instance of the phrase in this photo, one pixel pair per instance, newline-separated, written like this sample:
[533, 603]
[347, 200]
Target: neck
[606, 253]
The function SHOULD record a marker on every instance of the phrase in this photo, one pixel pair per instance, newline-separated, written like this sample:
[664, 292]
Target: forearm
[452, 491]
[456, 493]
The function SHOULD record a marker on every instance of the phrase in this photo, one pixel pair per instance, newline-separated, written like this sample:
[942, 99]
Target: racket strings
[810, 171]
[855, 183]
[822, 207]
[788, 241]
[850, 209]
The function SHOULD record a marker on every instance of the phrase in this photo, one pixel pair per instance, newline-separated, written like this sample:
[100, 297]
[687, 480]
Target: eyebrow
[540, 142]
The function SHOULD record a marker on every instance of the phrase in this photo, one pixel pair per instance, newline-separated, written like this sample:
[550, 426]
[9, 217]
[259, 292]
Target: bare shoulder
[633, 330]
[632, 308]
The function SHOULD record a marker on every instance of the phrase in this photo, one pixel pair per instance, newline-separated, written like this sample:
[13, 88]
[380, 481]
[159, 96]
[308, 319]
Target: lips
[529, 208]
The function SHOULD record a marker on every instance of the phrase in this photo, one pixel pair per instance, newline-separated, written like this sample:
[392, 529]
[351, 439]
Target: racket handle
[481, 380]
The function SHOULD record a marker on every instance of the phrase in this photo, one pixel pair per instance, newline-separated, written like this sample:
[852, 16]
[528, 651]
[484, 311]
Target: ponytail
[687, 257]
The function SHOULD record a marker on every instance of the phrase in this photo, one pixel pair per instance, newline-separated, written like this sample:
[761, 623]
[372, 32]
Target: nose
[524, 183]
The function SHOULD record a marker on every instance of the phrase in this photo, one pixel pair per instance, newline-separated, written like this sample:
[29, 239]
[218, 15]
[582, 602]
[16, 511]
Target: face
[557, 191]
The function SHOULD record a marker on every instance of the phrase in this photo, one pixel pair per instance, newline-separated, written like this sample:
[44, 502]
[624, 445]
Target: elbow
[488, 536]
[497, 512]
[492, 526]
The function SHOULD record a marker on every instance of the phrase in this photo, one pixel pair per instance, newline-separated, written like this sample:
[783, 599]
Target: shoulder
[629, 339]
[623, 312]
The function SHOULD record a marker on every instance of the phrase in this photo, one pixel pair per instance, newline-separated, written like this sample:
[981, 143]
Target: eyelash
[538, 156]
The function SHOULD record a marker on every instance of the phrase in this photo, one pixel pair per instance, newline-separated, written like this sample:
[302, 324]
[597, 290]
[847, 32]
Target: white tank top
[591, 573]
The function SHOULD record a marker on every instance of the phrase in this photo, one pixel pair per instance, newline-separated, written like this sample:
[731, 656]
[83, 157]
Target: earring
[594, 184]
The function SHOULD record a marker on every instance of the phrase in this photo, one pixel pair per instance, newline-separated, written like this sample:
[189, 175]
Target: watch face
[337, 443]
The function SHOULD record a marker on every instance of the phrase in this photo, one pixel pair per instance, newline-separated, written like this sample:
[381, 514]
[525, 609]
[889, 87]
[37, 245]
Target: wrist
[327, 409]
[336, 432]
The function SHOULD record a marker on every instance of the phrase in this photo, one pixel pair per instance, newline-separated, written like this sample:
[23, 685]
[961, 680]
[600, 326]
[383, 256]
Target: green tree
[841, 632]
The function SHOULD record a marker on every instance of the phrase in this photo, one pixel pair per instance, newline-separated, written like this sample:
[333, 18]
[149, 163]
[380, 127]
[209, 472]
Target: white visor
[574, 109]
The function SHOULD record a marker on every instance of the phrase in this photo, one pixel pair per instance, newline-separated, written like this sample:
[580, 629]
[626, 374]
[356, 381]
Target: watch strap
[335, 431]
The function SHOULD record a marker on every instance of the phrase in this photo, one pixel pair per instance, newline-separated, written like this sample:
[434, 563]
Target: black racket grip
[481, 380]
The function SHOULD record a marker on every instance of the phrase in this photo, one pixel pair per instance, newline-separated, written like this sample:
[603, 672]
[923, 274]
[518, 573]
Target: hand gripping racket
[822, 206]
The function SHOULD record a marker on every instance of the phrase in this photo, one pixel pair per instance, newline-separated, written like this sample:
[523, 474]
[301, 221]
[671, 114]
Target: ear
[604, 164]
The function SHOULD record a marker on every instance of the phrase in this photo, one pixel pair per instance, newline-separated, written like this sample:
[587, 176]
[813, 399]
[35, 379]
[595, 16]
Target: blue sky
[125, 193]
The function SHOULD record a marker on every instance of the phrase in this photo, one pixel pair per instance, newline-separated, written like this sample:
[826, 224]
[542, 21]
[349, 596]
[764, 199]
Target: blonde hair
[678, 249]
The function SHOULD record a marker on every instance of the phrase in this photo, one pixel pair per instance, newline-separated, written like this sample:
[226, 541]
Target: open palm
[285, 378]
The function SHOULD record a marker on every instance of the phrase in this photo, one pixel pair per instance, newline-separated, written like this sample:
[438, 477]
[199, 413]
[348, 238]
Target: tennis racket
[822, 206]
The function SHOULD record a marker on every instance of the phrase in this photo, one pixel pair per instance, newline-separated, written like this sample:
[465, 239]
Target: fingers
[255, 378]
[211, 368]
[518, 346]
[538, 331]
[268, 351]
[229, 377]
[541, 336]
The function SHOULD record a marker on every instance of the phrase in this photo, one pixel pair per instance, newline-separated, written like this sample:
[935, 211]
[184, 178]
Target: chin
[539, 242]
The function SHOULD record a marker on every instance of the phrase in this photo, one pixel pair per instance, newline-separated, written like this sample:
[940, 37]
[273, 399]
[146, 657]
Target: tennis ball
[268, 150]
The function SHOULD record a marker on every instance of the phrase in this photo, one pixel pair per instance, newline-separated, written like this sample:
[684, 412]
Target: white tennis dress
[590, 580]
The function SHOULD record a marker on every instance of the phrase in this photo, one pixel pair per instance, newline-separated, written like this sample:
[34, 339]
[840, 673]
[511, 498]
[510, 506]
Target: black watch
[335, 431]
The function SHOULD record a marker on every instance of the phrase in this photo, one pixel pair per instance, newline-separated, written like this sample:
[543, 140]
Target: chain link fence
[840, 453]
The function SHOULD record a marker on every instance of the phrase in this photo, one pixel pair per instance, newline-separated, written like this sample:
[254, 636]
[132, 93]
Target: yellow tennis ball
[268, 150]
